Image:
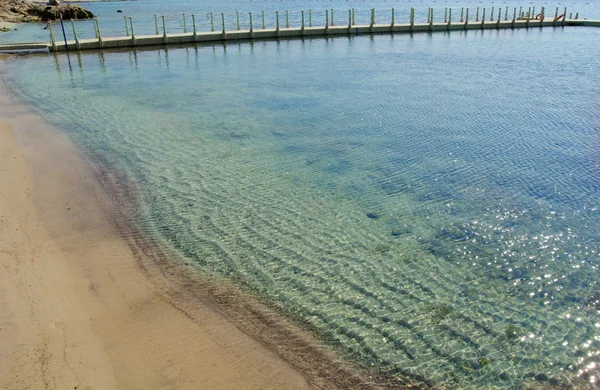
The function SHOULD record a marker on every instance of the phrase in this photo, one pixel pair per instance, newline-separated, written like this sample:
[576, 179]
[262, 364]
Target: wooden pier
[462, 21]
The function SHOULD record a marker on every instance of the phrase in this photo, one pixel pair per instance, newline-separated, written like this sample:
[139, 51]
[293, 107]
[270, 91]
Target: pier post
[263, 20]
[237, 19]
[506, 15]
[156, 23]
[332, 21]
[570, 15]
[251, 28]
[349, 21]
[467, 19]
[446, 15]
[577, 16]
[194, 26]
[412, 18]
[555, 15]
[542, 16]
[52, 41]
[302, 28]
[164, 30]
[287, 19]
[212, 24]
[532, 13]
[431, 19]
[184, 24]
[353, 20]
[223, 25]
[326, 21]
[126, 27]
[528, 17]
[100, 43]
[564, 19]
[393, 21]
[520, 11]
[462, 14]
[449, 18]
[77, 45]
[483, 19]
[514, 17]
[132, 33]
[277, 22]
[95, 30]
[372, 19]
[499, 18]
[309, 18]
[477, 15]
[492, 15]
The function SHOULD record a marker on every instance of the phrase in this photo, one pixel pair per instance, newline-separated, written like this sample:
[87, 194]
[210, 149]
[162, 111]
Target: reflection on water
[427, 204]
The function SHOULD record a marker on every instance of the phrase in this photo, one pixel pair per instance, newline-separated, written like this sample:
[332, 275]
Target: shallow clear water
[427, 203]
[142, 12]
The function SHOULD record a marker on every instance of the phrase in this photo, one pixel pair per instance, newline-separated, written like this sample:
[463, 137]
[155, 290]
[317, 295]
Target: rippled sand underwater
[427, 204]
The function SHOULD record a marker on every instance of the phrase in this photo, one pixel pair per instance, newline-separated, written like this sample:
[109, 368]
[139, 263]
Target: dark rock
[554, 382]
[68, 12]
[23, 11]
[373, 215]
[513, 332]
[484, 361]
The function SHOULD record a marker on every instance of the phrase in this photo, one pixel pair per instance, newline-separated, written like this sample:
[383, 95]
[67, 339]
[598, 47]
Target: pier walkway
[521, 20]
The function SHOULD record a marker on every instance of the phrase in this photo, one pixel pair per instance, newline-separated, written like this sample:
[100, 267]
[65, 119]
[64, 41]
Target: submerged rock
[513, 332]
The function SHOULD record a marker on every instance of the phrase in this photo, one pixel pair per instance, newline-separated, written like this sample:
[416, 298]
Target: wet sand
[89, 302]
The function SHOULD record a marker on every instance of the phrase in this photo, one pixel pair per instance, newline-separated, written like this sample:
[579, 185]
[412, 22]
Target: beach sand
[86, 305]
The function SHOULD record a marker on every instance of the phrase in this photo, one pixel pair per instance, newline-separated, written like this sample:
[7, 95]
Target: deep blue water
[427, 203]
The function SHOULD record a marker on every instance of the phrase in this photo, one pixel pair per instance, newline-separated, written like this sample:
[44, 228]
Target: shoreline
[93, 302]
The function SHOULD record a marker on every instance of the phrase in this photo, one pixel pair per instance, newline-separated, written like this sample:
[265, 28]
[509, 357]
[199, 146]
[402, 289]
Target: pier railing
[281, 25]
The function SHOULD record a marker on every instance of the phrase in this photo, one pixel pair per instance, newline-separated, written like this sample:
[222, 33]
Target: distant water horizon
[426, 204]
[142, 13]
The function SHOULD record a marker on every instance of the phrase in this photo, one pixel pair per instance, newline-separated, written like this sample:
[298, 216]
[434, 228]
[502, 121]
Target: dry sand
[86, 304]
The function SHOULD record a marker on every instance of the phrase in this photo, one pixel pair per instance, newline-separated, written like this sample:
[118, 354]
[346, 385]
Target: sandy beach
[86, 304]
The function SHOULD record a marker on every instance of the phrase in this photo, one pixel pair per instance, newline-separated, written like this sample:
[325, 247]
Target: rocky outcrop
[19, 11]
[68, 11]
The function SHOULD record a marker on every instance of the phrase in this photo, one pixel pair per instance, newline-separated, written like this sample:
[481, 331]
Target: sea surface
[427, 204]
[142, 12]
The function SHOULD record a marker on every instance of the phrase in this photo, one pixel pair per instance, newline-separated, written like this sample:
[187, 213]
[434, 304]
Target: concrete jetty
[503, 19]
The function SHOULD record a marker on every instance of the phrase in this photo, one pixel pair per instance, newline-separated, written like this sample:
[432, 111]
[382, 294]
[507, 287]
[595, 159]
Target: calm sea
[142, 13]
[427, 203]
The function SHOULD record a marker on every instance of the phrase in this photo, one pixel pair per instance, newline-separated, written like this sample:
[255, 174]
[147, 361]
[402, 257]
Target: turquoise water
[427, 204]
[142, 12]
